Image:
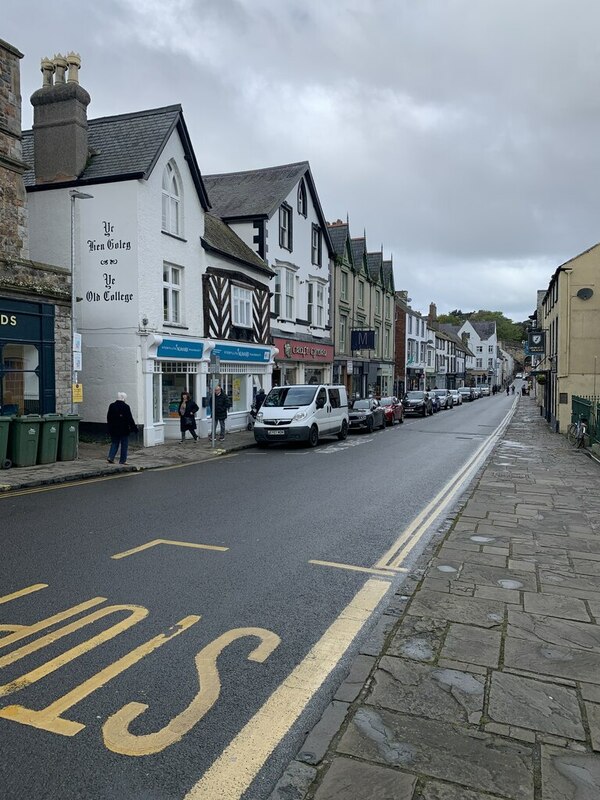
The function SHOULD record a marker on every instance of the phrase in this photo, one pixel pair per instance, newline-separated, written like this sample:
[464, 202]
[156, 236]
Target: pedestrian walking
[187, 419]
[512, 388]
[259, 399]
[220, 411]
[120, 424]
[507, 390]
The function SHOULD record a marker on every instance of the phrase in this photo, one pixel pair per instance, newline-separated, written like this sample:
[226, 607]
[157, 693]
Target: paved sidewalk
[488, 684]
[92, 460]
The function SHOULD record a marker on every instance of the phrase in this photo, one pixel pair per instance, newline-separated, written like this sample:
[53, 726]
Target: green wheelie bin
[5, 462]
[68, 443]
[23, 440]
[49, 436]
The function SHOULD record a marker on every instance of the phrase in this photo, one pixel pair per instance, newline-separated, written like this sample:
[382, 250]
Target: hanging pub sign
[362, 340]
[536, 341]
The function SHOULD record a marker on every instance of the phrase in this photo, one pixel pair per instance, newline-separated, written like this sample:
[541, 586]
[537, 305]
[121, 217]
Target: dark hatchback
[366, 414]
[417, 402]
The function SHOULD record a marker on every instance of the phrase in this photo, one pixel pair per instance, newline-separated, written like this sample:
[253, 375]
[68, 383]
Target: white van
[302, 414]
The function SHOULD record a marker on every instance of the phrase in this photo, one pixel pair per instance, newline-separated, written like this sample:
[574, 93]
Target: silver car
[456, 396]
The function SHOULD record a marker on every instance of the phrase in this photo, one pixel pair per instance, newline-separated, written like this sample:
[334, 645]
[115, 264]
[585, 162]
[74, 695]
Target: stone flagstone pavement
[488, 683]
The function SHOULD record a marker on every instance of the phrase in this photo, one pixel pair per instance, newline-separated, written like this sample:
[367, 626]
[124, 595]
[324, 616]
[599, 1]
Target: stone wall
[41, 283]
[13, 202]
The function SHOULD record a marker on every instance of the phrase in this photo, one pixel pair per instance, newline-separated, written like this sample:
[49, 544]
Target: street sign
[77, 392]
[77, 343]
[77, 362]
[536, 341]
[215, 364]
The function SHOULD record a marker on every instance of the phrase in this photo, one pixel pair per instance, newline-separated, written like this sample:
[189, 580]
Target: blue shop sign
[180, 348]
[228, 352]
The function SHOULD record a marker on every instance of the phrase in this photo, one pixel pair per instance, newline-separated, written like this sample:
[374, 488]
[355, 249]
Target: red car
[393, 410]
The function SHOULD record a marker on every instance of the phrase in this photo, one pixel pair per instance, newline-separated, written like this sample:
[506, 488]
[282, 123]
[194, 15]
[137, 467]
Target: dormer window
[302, 208]
[171, 201]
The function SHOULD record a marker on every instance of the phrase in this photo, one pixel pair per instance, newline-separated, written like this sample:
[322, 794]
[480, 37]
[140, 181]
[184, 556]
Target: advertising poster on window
[106, 268]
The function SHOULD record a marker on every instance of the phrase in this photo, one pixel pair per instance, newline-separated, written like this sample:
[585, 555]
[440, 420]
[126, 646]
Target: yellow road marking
[49, 718]
[6, 495]
[27, 630]
[136, 614]
[235, 769]
[370, 570]
[22, 592]
[156, 542]
[394, 557]
[115, 730]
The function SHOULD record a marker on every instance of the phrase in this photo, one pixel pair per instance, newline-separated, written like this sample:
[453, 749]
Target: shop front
[173, 366]
[415, 378]
[27, 345]
[302, 362]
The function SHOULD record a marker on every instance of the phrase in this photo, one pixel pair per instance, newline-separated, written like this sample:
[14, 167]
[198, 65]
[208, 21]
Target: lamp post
[75, 195]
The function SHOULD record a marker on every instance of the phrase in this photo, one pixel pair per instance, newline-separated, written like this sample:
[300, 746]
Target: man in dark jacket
[220, 410]
[120, 425]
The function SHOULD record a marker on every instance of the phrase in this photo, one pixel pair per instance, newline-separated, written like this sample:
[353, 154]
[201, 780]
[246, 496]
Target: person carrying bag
[187, 419]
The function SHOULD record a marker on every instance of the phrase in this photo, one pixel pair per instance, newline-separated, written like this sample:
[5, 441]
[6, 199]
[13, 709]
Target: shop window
[20, 384]
[177, 377]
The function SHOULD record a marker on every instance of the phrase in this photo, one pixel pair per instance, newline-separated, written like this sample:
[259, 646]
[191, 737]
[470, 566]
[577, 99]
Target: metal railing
[587, 408]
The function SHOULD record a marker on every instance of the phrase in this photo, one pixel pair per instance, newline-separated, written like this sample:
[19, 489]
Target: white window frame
[378, 302]
[285, 227]
[386, 353]
[290, 294]
[302, 202]
[171, 201]
[316, 245]
[343, 285]
[320, 304]
[343, 332]
[241, 302]
[361, 294]
[172, 294]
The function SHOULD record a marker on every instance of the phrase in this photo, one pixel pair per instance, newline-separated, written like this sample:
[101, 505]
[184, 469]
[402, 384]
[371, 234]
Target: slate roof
[125, 147]
[484, 329]
[388, 275]
[374, 262]
[453, 332]
[221, 239]
[258, 193]
[358, 247]
[253, 193]
[339, 234]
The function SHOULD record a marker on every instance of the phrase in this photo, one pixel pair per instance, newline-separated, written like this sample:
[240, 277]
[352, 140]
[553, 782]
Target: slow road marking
[235, 769]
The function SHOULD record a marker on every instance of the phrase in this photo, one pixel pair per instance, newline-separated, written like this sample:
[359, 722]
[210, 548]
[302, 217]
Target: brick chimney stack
[60, 130]
[13, 199]
[432, 312]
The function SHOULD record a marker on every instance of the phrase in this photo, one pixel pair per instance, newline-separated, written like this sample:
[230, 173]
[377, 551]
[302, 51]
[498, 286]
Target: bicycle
[577, 431]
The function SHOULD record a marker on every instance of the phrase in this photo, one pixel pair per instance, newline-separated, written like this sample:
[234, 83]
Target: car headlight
[259, 416]
[300, 415]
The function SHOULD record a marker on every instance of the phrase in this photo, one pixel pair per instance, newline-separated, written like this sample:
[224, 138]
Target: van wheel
[7, 463]
[343, 434]
[313, 436]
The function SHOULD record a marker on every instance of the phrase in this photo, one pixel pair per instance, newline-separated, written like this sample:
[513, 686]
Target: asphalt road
[68, 728]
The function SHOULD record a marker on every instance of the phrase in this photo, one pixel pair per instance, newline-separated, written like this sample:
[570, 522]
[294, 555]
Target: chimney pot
[47, 68]
[74, 64]
[60, 63]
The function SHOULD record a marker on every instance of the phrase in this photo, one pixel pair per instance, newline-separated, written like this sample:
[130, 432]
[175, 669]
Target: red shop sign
[292, 350]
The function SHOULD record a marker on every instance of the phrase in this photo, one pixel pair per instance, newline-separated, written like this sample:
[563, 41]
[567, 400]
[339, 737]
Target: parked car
[392, 408]
[485, 391]
[467, 394]
[444, 396]
[366, 414]
[302, 414]
[456, 397]
[417, 402]
[476, 392]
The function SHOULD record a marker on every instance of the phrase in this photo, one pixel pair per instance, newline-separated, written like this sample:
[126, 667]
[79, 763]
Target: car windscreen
[386, 401]
[290, 396]
[362, 405]
[414, 395]
[440, 392]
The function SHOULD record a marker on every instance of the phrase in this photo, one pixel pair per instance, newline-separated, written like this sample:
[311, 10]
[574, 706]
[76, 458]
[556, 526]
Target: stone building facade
[35, 298]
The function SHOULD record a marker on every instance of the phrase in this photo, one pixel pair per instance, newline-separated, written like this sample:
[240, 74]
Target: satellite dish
[585, 294]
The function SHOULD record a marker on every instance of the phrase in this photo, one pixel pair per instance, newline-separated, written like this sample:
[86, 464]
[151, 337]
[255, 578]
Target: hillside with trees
[506, 329]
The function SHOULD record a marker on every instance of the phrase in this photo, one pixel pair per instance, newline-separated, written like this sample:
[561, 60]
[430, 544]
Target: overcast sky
[462, 135]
